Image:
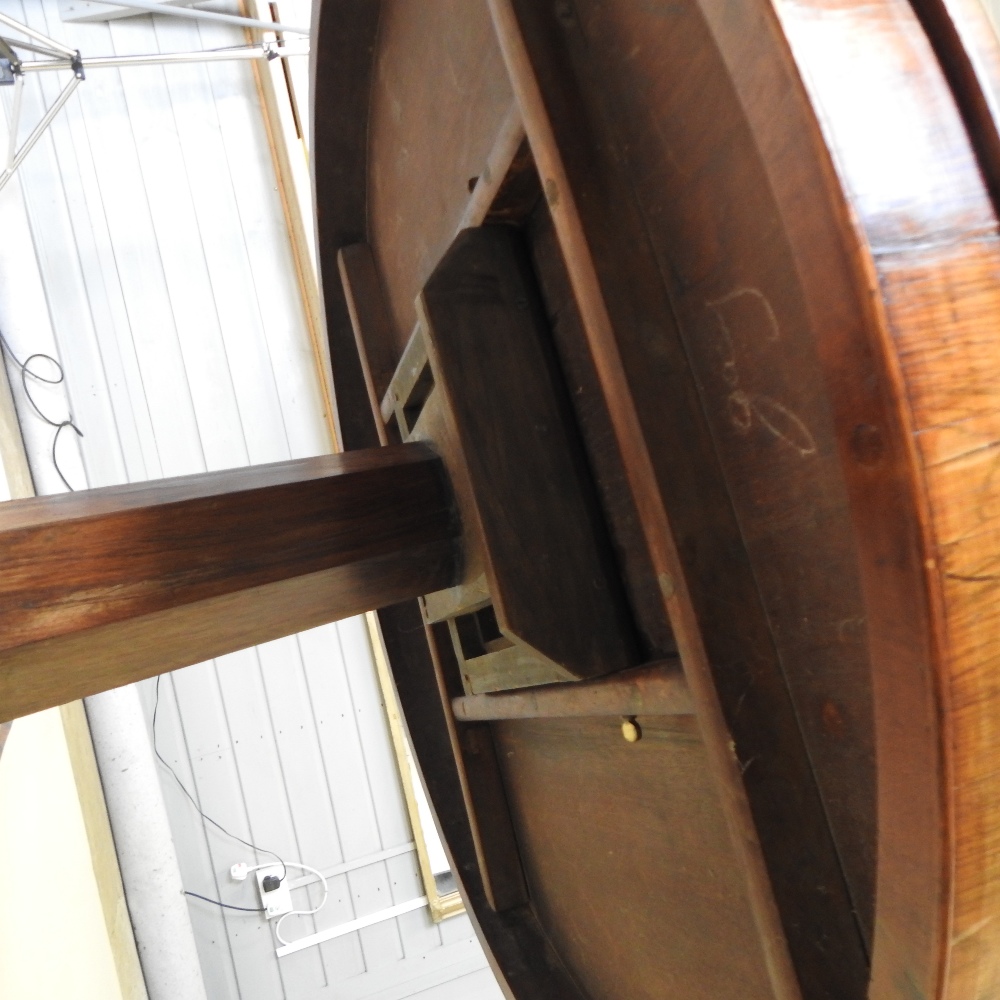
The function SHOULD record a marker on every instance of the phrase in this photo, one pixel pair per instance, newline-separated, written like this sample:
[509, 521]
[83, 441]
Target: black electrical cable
[26, 371]
[205, 817]
[227, 906]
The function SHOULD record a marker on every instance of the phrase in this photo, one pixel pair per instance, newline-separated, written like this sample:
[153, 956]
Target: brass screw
[631, 729]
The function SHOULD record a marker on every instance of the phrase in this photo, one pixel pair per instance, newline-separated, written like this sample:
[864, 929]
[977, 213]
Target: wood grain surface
[591, 411]
[653, 689]
[726, 201]
[417, 201]
[339, 125]
[707, 575]
[372, 332]
[926, 237]
[516, 943]
[168, 573]
[631, 918]
[551, 573]
[768, 227]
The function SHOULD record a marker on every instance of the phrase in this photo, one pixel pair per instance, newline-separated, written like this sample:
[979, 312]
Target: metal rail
[49, 43]
[69, 59]
[262, 50]
[15, 161]
[207, 15]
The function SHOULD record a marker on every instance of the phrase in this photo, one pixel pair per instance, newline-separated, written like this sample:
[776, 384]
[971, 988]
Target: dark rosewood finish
[105, 587]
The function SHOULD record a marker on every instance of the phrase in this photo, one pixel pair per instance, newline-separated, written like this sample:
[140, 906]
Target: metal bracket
[10, 64]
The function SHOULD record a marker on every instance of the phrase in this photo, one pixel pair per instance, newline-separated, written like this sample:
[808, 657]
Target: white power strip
[278, 901]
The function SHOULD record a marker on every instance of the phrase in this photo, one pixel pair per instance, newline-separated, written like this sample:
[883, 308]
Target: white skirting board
[351, 926]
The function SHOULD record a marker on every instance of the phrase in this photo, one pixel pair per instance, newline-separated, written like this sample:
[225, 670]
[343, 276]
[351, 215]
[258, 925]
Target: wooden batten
[109, 586]
[370, 322]
[508, 148]
[655, 689]
[482, 789]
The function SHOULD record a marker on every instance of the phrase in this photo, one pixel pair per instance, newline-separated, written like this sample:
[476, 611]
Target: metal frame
[14, 159]
[112, 10]
[206, 15]
[260, 50]
[49, 43]
[62, 58]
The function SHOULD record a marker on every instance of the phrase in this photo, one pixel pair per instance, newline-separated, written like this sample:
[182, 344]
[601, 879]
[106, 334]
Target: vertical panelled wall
[144, 246]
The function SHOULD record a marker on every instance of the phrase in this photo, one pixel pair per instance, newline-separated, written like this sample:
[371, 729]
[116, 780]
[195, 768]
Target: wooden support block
[109, 586]
[656, 689]
[551, 574]
[411, 367]
[490, 661]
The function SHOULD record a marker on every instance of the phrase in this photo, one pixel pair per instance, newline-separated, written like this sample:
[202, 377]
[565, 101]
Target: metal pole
[38, 130]
[37, 35]
[267, 50]
[263, 50]
[208, 15]
[18, 43]
[15, 121]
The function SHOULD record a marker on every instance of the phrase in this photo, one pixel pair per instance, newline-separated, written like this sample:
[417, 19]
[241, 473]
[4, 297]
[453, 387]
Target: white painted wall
[53, 939]
[145, 246]
[993, 9]
[57, 837]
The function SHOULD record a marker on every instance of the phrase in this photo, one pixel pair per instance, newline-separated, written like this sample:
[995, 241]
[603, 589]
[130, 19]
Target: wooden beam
[109, 586]
[508, 145]
[653, 689]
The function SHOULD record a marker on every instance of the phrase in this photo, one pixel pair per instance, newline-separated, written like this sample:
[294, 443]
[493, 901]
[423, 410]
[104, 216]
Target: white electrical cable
[326, 893]
[268, 864]
[290, 913]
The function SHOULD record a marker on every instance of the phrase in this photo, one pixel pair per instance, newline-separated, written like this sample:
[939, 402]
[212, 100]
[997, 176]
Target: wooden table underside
[767, 251]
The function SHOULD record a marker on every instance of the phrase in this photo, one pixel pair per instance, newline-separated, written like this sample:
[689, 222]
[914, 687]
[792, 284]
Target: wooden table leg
[109, 586]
